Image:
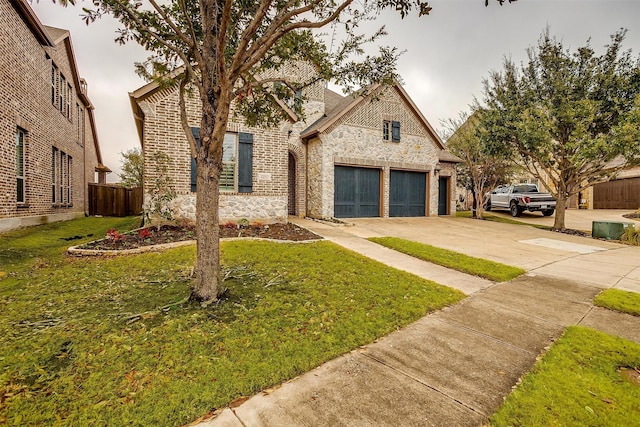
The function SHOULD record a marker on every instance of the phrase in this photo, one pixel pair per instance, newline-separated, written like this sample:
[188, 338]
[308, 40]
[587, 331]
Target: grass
[467, 264]
[494, 218]
[578, 382]
[623, 301]
[73, 348]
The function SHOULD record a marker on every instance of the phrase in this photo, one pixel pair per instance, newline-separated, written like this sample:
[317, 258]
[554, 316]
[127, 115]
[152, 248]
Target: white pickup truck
[519, 198]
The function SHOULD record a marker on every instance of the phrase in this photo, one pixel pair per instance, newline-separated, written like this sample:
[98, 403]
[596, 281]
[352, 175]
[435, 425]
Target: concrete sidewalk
[453, 367]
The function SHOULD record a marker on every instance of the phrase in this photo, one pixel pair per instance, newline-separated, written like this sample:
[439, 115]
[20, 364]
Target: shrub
[144, 233]
[114, 234]
[631, 236]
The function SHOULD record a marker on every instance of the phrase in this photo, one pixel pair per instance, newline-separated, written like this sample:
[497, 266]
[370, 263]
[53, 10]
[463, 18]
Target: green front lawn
[106, 341]
[587, 378]
[455, 260]
[618, 300]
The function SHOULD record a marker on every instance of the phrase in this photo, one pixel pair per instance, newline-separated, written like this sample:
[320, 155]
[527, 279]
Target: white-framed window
[61, 92]
[69, 182]
[229, 162]
[69, 113]
[21, 187]
[61, 177]
[54, 85]
[55, 166]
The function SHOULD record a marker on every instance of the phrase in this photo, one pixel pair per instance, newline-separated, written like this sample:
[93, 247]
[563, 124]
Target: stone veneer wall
[356, 140]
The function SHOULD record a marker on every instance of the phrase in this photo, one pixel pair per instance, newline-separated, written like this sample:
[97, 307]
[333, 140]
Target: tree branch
[277, 29]
[169, 21]
[184, 121]
[133, 16]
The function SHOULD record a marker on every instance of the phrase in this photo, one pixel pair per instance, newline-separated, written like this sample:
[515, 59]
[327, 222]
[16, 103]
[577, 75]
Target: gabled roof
[61, 36]
[33, 23]
[339, 108]
[153, 87]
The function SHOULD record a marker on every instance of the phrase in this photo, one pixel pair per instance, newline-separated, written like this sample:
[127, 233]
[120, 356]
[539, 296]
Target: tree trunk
[207, 281]
[206, 287]
[561, 204]
[474, 207]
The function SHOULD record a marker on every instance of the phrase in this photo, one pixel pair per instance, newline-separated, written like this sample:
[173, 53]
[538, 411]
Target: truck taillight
[525, 199]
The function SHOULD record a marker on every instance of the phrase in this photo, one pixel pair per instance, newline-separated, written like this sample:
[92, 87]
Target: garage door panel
[356, 192]
[407, 193]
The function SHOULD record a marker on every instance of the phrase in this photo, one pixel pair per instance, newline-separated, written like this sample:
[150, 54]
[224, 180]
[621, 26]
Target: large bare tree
[230, 51]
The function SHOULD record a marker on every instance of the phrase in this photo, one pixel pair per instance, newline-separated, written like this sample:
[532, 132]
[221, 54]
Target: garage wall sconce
[436, 168]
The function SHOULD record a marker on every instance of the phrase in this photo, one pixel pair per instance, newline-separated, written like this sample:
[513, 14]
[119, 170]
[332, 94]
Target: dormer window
[391, 130]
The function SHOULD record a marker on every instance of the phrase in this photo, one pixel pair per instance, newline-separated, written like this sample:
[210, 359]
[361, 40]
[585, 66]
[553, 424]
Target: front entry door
[443, 195]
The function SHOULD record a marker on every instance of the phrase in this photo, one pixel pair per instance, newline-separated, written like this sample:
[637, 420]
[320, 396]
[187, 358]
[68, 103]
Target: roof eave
[33, 22]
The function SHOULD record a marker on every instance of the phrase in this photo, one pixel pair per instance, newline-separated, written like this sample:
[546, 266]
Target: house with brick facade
[367, 155]
[49, 148]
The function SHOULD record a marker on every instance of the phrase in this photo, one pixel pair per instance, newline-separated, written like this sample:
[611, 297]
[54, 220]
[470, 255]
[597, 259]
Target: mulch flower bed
[173, 233]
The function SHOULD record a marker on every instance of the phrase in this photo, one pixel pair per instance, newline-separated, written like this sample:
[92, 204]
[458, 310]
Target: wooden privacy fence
[618, 194]
[114, 200]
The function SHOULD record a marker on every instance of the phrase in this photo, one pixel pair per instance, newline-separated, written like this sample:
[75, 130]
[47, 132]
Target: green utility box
[609, 229]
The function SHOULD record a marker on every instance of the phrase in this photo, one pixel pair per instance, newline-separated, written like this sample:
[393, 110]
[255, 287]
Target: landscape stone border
[77, 251]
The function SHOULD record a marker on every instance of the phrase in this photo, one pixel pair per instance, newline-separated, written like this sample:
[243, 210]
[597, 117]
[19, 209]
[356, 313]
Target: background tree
[482, 168]
[132, 168]
[226, 51]
[571, 119]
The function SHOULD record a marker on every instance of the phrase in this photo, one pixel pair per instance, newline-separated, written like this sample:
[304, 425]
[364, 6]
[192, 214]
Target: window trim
[243, 163]
[386, 130]
[21, 134]
[55, 156]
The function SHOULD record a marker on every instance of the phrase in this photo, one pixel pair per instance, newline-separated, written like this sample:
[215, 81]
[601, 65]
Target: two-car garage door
[357, 192]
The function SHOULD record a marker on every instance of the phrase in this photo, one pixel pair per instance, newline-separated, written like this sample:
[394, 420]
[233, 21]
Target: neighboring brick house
[358, 156]
[48, 144]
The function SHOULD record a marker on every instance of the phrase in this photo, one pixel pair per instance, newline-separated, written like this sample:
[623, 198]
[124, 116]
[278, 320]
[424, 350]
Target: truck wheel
[548, 212]
[487, 206]
[515, 209]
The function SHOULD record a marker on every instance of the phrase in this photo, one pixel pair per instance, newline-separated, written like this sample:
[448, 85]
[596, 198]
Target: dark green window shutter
[395, 131]
[245, 162]
[196, 135]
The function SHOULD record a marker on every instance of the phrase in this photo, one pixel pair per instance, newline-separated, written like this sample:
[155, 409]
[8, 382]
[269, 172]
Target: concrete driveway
[577, 219]
[593, 262]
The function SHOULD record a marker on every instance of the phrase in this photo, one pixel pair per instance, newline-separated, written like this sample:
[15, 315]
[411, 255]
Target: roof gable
[350, 105]
[32, 22]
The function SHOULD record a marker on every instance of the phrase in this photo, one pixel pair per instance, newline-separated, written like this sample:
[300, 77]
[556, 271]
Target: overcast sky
[448, 53]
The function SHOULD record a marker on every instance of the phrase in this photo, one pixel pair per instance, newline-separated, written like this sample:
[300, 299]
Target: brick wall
[25, 102]
[163, 133]
[268, 200]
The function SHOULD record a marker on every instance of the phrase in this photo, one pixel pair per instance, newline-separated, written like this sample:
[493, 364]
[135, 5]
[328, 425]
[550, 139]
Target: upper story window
[20, 172]
[391, 130]
[61, 92]
[79, 124]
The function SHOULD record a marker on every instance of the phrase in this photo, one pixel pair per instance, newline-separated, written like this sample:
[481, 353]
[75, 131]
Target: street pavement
[454, 367]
